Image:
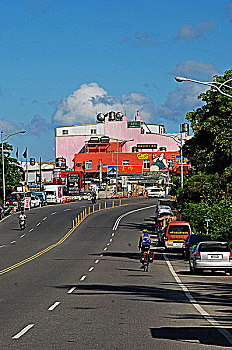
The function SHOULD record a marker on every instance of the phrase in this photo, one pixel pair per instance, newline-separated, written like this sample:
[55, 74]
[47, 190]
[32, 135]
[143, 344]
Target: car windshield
[217, 247]
[178, 230]
[197, 239]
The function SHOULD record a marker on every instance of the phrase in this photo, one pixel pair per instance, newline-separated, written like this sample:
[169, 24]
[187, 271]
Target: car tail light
[198, 256]
[230, 255]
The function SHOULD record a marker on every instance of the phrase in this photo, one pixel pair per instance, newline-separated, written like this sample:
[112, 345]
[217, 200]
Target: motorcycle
[22, 223]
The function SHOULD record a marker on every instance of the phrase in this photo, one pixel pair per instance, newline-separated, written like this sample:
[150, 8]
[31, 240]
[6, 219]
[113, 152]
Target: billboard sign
[185, 160]
[130, 169]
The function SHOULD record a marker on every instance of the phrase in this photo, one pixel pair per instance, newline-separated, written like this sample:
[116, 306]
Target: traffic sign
[207, 219]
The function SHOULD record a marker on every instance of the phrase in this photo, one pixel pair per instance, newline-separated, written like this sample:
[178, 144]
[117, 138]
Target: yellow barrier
[89, 210]
[76, 221]
[85, 211]
[105, 205]
[81, 216]
[113, 204]
[99, 206]
[93, 208]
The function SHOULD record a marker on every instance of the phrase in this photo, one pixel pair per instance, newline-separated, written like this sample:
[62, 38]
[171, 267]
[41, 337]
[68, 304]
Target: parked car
[176, 234]
[35, 201]
[161, 208]
[191, 242]
[212, 256]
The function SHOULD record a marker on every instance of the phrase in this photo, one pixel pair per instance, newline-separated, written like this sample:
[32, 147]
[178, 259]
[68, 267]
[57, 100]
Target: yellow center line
[38, 254]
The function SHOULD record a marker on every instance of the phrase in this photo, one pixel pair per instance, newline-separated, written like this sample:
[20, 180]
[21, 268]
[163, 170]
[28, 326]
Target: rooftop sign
[147, 145]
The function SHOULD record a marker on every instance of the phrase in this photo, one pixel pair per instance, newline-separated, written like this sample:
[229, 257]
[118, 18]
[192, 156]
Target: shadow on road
[194, 335]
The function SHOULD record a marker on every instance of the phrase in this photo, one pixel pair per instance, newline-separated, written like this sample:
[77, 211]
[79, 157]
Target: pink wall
[67, 146]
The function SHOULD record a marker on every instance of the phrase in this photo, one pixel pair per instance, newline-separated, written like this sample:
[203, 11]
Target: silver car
[212, 256]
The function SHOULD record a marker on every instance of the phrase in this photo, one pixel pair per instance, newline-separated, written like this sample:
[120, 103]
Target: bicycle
[146, 259]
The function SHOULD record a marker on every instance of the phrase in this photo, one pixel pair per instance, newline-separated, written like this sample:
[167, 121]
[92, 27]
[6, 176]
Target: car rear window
[214, 248]
[179, 230]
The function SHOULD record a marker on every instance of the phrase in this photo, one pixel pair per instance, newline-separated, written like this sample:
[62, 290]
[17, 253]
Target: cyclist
[144, 243]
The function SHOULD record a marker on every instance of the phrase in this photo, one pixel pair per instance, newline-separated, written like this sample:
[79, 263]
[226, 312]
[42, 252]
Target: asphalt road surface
[88, 292]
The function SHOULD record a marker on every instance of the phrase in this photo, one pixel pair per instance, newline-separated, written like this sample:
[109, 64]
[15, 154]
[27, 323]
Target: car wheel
[195, 270]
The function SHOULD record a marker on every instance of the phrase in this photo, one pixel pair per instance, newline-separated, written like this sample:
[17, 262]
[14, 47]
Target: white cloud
[9, 127]
[140, 38]
[38, 125]
[190, 68]
[229, 11]
[84, 103]
[190, 31]
[180, 101]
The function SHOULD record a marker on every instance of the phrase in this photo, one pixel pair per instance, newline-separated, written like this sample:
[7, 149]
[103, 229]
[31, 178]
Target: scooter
[22, 224]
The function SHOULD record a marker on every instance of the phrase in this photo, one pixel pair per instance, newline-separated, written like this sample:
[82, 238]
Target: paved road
[89, 293]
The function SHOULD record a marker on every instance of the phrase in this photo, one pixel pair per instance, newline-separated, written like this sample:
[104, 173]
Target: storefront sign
[147, 145]
[143, 156]
[130, 169]
[134, 124]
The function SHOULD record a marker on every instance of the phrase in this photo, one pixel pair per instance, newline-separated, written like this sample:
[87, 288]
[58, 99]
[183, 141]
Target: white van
[155, 192]
[54, 193]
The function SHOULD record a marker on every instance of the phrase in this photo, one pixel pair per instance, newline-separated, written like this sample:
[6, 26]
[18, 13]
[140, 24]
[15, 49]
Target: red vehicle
[176, 234]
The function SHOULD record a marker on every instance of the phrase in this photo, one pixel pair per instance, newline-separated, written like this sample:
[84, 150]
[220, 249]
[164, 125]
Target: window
[65, 132]
[125, 162]
[88, 164]
[146, 164]
[93, 131]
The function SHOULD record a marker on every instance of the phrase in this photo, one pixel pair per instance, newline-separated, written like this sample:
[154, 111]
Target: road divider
[93, 209]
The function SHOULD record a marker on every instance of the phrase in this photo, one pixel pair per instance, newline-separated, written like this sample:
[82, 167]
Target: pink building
[136, 136]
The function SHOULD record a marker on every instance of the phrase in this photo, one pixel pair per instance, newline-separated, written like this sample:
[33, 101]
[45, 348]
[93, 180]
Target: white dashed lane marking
[67, 209]
[83, 278]
[23, 331]
[91, 269]
[22, 235]
[96, 261]
[12, 242]
[71, 290]
[105, 248]
[38, 224]
[55, 212]
[51, 308]
[44, 218]
[31, 230]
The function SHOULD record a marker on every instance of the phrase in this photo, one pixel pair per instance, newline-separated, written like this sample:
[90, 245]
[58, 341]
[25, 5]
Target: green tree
[13, 174]
[209, 149]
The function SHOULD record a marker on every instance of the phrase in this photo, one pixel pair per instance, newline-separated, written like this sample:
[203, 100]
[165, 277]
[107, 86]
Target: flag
[25, 153]
[17, 153]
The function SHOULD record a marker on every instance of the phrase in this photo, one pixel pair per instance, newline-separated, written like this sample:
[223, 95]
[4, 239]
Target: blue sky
[61, 62]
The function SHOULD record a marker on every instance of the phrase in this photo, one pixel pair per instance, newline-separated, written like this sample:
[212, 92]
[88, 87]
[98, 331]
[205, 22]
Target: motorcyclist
[144, 242]
[94, 197]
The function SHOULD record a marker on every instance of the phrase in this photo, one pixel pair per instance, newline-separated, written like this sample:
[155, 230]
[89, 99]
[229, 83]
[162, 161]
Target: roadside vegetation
[207, 191]
[13, 174]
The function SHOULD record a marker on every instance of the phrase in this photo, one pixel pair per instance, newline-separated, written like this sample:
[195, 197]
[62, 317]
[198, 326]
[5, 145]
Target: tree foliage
[207, 193]
[12, 170]
[209, 149]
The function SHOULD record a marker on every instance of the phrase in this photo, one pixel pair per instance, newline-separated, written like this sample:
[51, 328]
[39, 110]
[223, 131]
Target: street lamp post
[120, 144]
[3, 160]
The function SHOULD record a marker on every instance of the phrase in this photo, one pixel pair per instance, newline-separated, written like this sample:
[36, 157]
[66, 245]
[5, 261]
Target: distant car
[42, 196]
[161, 207]
[35, 201]
[212, 256]
[165, 212]
[155, 192]
[192, 241]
